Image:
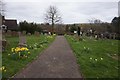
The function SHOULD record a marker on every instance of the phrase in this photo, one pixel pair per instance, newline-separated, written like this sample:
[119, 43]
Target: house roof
[11, 24]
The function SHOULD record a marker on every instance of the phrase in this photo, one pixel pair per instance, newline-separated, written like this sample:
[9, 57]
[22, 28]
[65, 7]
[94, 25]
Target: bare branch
[2, 8]
[52, 15]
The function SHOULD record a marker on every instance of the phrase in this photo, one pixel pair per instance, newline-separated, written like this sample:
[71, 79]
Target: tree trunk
[52, 26]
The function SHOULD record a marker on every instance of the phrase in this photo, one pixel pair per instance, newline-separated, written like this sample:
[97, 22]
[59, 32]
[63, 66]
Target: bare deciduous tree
[2, 8]
[52, 16]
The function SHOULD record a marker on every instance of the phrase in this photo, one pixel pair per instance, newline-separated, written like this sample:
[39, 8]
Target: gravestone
[9, 32]
[22, 39]
[49, 33]
[114, 35]
[110, 36]
[29, 34]
[3, 40]
[0, 34]
[102, 36]
[75, 32]
[96, 37]
[81, 33]
[36, 33]
[14, 33]
[24, 33]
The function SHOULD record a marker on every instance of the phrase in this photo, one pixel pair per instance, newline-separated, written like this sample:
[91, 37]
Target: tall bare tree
[52, 16]
[2, 8]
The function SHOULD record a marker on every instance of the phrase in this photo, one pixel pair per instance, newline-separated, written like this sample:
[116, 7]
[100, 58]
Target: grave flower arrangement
[19, 52]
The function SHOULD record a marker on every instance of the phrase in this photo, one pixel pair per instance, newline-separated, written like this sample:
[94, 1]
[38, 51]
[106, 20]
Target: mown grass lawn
[13, 66]
[96, 58]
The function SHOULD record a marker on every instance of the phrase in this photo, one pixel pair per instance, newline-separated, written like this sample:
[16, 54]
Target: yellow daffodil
[95, 59]
[90, 58]
[3, 67]
[101, 58]
[20, 51]
[12, 49]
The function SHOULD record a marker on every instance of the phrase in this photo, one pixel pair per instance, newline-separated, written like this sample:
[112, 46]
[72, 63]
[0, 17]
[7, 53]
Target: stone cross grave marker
[22, 39]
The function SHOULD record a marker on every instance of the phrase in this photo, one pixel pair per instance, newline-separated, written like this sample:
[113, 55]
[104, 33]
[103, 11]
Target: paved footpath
[57, 61]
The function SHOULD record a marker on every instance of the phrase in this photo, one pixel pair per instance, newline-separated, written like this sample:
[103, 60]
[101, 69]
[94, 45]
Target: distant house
[10, 23]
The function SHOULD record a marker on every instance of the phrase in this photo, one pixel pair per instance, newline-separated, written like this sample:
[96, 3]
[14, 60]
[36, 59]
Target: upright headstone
[29, 34]
[114, 35]
[110, 36]
[0, 34]
[36, 33]
[102, 36]
[9, 32]
[14, 33]
[49, 33]
[24, 33]
[4, 42]
[96, 36]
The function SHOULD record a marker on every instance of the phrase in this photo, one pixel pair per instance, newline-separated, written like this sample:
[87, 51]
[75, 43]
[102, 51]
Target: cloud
[72, 12]
[119, 8]
[61, 0]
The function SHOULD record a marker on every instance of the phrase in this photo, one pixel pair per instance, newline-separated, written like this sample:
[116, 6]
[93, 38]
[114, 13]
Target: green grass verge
[96, 58]
[13, 66]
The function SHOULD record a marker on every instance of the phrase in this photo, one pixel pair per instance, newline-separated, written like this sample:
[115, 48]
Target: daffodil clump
[96, 61]
[86, 50]
[3, 69]
[19, 52]
[49, 37]
[54, 34]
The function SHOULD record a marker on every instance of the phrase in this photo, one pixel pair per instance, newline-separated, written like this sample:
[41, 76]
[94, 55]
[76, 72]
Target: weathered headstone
[81, 33]
[9, 32]
[24, 33]
[75, 32]
[0, 34]
[29, 34]
[36, 33]
[110, 36]
[114, 35]
[96, 36]
[22, 39]
[102, 36]
[14, 33]
[49, 33]
[4, 42]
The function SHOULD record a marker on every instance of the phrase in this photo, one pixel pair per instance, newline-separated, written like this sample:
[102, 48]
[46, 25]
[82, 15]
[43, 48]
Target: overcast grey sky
[72, 11]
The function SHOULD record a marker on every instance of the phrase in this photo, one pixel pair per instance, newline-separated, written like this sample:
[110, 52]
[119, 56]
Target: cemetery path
[57, 61]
